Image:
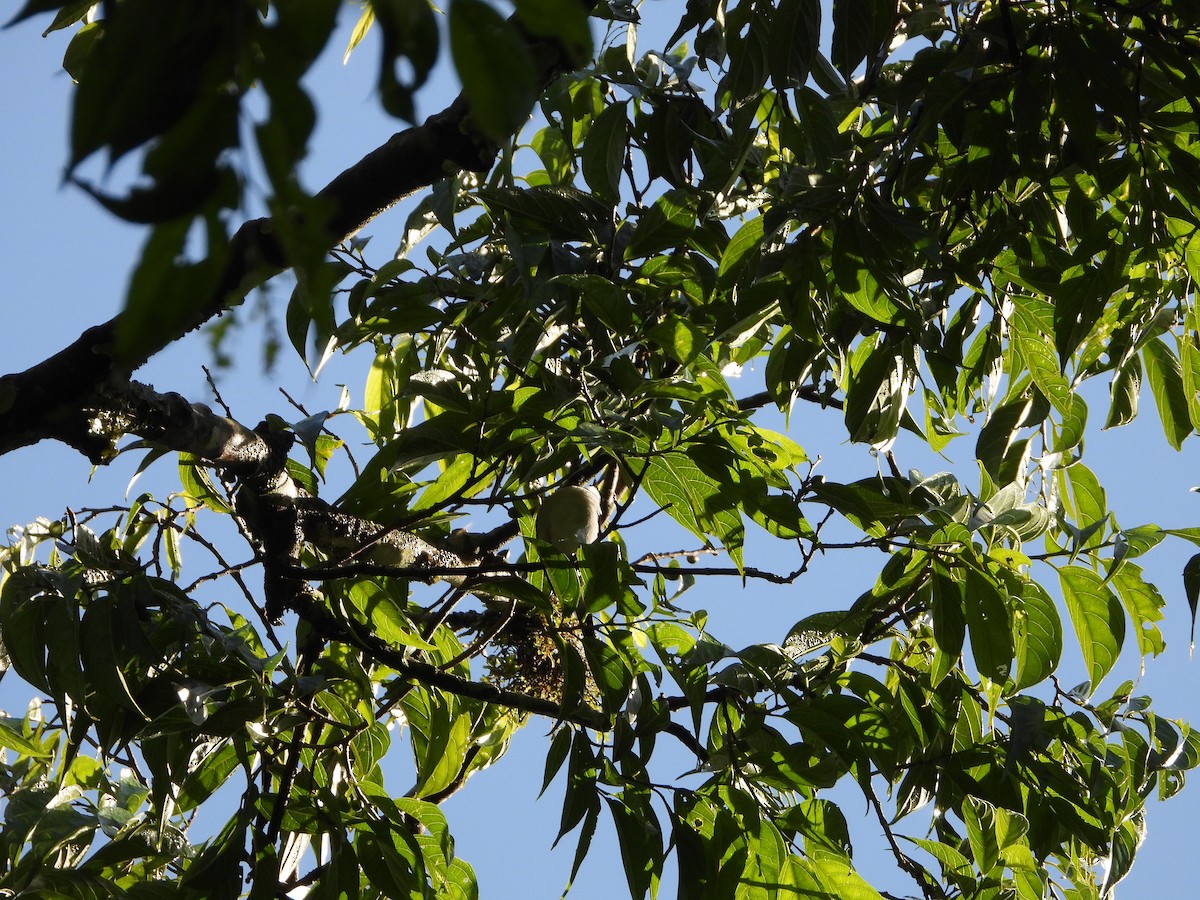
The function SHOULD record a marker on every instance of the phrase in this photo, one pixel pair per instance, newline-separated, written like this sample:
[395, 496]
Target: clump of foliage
[920, 217]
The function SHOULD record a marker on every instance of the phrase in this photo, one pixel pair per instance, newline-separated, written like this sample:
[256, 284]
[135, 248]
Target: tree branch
[315, 613]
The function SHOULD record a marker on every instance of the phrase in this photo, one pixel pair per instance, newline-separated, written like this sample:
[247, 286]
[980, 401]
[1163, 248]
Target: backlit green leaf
[1098, 619]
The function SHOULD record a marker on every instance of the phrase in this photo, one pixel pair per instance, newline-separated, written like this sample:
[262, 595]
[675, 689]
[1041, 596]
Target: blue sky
[66, 262]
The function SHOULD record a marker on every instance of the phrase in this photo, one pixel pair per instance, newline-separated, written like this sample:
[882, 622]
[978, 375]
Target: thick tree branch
[279, 515]
[173, 422]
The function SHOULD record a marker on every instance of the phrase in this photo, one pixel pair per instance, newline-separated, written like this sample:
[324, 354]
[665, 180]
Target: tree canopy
[629, 273]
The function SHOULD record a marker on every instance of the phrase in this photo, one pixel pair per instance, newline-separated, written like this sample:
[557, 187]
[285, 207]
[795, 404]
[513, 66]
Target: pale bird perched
[570, 517]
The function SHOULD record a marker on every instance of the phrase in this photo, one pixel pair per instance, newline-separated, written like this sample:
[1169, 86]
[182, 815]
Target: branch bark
[278, 513]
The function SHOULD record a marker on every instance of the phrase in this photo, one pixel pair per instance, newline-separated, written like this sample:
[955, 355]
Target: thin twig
[905, 862]
[482, 640]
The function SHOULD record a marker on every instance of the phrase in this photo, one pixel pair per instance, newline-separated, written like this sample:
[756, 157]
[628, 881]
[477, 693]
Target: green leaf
[198, 484]
[954, 864]
[391, 859]
[838, 877]
[514, 588]
[155, 64]
[1123, 393]
[640, 840]
[1191, 256]
[560, 745]
[1000, 448]
[460, 883]
[409, 34]
[876, 397]
[1070, 432]
[1189, 363]
[1188, 534]
[990, 627]
[1166, 383]
[441, 735]
[105, 631]
[23, 624]
[743, 244]
[1098, 619]
[1144, 604]
[856, 278]
[821, 822]
[147, 323]
[80, 48]
[860, 28]
[609, 671]
[1127, 840]
[1079, 301]
[603, 588]
[1039, 639]
[36, 7]
[483, 44]
[608, 301]
[604, 151]
[871, 504]
[13, 737]
[1133, 542]
[979, 818]
[562, 578]
[567, 23]
[458, 478]
[1088, 500]
[385, 618]
[361, 28]
[746, 47]
[682, 340]
[670, 221]
[1191, 588]
[565, 213]
[580, 801]
[208, 775]
[792, 43]
[949, 622]
[1033, 321]
[700, 503]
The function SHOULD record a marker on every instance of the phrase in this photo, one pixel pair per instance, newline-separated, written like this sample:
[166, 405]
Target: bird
[570, 517]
